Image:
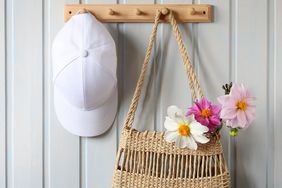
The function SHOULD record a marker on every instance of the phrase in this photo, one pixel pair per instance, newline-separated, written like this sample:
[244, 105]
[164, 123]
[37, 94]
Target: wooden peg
[80, 11]
[111, 12]
[164, 11]
[193, 11]
[138, 12]
[83, 11]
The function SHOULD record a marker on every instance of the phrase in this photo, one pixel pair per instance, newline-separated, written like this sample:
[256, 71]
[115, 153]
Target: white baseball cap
[84, 75]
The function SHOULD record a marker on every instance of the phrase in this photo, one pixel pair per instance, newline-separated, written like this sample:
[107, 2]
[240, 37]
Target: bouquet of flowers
[204, 120]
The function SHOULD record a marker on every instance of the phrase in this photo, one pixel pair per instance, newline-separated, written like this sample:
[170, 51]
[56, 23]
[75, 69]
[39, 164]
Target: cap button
[84, 53]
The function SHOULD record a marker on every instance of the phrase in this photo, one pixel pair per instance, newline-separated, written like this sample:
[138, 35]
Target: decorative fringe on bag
[145, 159]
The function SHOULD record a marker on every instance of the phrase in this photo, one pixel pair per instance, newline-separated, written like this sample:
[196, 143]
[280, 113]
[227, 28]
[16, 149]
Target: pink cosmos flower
[206, 113]
[238, 108]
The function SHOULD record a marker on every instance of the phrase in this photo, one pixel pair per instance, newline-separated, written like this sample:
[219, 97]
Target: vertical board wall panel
[62, 151]
[270, 101]
[2, 95]
[277, 93]
[24, 69]
[100, 152]
[251, 69]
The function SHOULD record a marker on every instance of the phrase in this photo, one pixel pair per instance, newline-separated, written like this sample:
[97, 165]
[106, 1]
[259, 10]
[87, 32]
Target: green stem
[233, 132]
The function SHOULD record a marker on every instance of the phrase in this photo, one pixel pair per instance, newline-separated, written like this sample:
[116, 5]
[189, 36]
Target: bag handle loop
[192, 79]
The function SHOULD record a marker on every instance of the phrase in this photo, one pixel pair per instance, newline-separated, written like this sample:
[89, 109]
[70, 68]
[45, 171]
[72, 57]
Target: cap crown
[84, 62]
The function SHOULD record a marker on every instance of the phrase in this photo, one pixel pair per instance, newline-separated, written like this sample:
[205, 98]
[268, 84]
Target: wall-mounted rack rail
[142, 12]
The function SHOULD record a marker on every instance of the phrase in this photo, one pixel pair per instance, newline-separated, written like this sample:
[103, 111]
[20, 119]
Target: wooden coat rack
[142, 12]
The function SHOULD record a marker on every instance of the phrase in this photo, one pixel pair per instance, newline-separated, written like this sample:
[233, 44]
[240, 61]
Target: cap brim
[86, 123]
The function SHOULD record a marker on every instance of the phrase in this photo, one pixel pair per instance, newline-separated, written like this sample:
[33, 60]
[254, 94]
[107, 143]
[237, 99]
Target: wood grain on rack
[142, 12]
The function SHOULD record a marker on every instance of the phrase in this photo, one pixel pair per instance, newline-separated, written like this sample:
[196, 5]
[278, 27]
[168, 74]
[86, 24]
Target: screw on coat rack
[164, 11]
[111, 12]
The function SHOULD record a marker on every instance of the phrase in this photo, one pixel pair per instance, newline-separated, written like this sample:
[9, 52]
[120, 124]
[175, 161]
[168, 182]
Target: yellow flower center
[205, 113]
[241, 105]
[184, 130]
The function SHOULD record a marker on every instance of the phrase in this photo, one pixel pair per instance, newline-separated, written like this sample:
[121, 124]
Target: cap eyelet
[84, 53]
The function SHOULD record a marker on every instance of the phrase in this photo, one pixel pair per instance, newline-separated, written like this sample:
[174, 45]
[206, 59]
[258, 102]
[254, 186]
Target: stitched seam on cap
[83, 65]
[60, 72]
[106, 71]
[103, 44]
[93, 108]
[101, 66]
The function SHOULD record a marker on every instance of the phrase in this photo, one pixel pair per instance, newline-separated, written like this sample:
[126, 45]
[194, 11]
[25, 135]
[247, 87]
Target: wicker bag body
[145, 159]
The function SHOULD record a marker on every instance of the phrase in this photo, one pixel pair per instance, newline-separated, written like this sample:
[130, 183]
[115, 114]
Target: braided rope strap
[184, 54]
[192, 79]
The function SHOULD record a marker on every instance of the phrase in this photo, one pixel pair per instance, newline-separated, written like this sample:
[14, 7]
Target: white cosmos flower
[184, 131]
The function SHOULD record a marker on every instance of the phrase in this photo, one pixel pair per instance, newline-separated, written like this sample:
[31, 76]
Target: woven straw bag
[145, 159]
